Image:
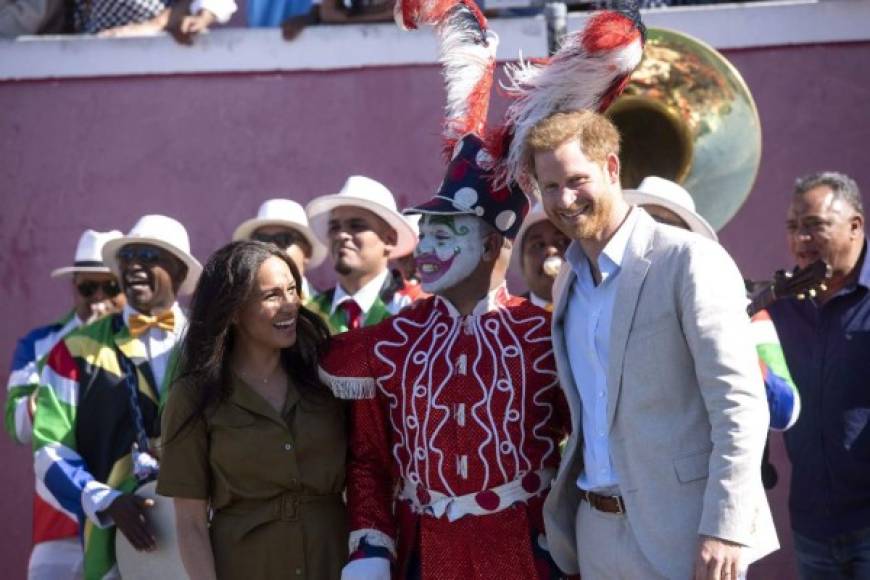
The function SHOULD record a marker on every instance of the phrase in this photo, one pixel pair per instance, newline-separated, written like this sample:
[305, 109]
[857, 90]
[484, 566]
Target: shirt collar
[612, 255]
[180, 319]
[538, 301]
[365, 297]
[496, 297]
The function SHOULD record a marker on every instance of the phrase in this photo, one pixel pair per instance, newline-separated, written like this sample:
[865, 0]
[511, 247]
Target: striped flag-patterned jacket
[83, 432]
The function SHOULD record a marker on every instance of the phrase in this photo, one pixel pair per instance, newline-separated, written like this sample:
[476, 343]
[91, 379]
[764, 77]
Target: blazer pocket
[692, 467]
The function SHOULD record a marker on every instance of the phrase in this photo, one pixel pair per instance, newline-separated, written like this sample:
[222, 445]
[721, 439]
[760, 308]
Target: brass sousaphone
[688, 116]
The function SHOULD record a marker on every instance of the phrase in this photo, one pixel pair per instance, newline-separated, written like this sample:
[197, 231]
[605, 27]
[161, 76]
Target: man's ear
[179, 275]
[492, 244]
[611, 166]
[856, 225]
[390, 239]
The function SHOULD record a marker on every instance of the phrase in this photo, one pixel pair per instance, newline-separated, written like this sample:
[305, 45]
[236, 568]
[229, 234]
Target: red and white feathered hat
[588, 72]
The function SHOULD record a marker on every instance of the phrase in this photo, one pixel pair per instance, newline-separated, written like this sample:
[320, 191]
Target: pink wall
[207, 149]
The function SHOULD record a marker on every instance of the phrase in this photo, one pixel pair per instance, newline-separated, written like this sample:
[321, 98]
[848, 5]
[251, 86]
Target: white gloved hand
[367, 569]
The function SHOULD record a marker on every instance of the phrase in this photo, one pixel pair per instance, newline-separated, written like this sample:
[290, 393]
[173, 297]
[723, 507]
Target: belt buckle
[289, 507]
[620, 504]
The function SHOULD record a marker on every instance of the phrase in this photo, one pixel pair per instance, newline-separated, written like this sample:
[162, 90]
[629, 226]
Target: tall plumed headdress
[467, 55]
[589, 71]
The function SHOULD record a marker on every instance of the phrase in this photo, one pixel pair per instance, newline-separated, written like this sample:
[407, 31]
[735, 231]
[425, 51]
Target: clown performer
[458, 415]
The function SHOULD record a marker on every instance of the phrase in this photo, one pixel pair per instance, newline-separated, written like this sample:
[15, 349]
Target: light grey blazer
[686, 405]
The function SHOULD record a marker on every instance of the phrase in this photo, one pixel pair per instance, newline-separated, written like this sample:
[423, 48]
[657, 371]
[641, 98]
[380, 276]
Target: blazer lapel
[634, 269]
[561, 294]
[134, 349]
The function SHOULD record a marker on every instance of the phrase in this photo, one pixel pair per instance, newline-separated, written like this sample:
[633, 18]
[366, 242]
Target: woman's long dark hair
[227, 282]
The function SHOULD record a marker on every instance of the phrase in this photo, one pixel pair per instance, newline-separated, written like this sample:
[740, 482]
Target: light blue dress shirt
[588, 318]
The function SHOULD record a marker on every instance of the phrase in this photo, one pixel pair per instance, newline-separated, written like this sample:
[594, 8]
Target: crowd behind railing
[186, 18]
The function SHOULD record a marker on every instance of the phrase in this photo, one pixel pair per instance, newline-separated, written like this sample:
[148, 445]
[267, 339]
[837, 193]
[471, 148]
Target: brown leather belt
[611, 504]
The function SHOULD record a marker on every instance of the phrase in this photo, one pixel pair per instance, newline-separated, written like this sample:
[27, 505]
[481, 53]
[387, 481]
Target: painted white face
[449, 250]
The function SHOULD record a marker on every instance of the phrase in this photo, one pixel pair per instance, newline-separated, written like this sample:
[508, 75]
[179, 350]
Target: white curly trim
[373, 538]
[348, 387]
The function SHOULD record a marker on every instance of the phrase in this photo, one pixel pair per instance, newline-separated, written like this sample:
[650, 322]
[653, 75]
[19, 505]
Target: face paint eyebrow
[449, 222]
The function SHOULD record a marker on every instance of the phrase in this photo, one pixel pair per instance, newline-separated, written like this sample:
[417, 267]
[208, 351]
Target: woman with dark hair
[251, 435]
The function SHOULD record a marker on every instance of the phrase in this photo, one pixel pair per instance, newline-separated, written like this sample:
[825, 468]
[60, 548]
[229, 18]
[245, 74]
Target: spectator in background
[342, 11]
[57, 552]
[826, 341]
[363, 231]
[540, 249]
[24, 17]
[124, 18]
[283, 222]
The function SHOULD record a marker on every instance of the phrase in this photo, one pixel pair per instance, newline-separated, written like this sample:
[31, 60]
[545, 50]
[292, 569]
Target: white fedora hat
[366, 193]
[89, 253]
[285, 213]
[669, 195]
[163, 232]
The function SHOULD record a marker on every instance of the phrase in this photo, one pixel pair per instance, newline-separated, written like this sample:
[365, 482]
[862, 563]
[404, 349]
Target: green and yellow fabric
[83, 432]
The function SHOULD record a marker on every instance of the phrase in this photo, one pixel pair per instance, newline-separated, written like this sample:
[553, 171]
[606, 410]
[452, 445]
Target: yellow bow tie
[140, 323]
[549, 307]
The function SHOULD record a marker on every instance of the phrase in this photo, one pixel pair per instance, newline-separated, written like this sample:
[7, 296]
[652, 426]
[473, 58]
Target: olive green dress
[274, 481]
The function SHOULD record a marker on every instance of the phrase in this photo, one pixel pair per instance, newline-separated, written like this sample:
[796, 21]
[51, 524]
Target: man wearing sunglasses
[101, 390]
[57, 552]
[283, 222]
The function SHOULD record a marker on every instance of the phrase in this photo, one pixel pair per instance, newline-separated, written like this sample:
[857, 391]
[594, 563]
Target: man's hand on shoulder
[717, 559]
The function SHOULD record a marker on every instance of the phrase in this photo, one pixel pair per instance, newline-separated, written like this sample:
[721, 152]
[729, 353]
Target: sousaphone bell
[688, 116]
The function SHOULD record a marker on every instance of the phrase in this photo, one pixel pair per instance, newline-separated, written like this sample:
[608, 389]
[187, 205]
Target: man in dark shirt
[826, 341]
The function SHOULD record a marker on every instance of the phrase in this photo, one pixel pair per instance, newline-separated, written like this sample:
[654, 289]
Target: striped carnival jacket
[395, 295]
[49, 523]
[83, 431]
[783, 398]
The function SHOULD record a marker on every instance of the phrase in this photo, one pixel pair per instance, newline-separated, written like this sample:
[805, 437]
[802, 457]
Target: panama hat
[89, 253]
[365, 193]
[669, 195]
[285, 213]
[162, 232]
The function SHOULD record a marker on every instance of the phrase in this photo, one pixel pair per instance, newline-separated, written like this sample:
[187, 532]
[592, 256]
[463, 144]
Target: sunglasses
[110, 288]
[142, 254]
[282, 240]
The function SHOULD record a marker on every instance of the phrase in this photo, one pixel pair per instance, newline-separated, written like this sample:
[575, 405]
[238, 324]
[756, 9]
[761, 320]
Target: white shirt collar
[365, 297]
[538, 301]
[611, 256]
[488, 303]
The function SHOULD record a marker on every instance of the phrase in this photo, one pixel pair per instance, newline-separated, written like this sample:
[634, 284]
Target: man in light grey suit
[660, 478]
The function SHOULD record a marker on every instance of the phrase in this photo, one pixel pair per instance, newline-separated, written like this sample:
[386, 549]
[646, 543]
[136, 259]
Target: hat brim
[696, 223]
[80, 270]
[194, 268]
[318, 250]
[318, 215]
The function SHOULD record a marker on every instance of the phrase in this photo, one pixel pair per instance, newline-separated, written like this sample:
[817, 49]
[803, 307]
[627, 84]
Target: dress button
[288, 447]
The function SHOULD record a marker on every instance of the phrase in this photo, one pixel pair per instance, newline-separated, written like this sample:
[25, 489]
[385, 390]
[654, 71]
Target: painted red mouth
[431, 268]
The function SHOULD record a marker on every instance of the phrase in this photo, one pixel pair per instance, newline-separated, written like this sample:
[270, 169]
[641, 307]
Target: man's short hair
[597, 135]
[842, 186]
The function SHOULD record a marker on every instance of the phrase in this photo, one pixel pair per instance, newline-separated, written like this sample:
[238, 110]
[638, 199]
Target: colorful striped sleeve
[57, 464]
[23, 382]
[783, 398]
